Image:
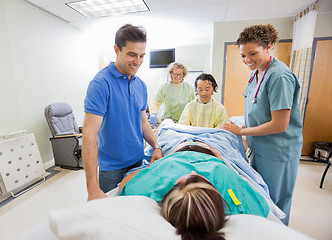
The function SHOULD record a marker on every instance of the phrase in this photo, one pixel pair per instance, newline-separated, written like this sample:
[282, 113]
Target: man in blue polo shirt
[115, 116]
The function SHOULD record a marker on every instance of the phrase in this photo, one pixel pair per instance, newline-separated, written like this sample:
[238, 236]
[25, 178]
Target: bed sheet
[41, 231]
[227, 144]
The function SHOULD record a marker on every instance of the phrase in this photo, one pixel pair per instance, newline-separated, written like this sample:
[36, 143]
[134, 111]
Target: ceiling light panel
[103, 8]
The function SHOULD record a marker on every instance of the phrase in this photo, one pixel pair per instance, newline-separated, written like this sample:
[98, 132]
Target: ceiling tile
[65, 12]
[197, 10]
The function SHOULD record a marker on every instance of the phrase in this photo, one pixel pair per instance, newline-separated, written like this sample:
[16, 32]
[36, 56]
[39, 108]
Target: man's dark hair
[130, 33]
[207, 77]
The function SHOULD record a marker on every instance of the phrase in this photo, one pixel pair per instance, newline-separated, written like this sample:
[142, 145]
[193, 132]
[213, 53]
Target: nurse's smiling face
[255, 56]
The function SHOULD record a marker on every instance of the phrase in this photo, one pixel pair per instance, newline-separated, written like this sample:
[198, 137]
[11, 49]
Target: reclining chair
[67, 137]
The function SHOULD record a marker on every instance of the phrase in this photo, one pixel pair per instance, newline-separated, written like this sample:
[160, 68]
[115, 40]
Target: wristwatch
[157, 146]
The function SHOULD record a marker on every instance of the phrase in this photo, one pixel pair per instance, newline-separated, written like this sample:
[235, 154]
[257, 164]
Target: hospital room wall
[45, 60]
[41, 62]
[229, 31]
[194, 57]
[8, 91]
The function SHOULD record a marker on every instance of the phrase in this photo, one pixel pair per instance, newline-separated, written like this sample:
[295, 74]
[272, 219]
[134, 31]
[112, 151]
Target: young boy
[204, 111]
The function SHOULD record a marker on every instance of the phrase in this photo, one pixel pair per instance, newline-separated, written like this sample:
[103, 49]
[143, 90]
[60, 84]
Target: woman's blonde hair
[178, 65]
[195, 208]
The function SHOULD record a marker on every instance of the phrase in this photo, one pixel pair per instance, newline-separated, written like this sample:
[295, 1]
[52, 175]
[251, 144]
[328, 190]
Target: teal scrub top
[279, 90]
[154, 182]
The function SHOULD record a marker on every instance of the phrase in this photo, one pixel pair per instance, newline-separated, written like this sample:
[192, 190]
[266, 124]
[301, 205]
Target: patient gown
[155, 181]
[212, 114]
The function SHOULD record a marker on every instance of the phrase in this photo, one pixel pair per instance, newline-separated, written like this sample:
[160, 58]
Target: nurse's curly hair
[261, 34]
[196, 209]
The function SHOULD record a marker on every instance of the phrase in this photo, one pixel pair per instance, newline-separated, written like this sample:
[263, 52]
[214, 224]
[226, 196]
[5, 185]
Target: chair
[67, 137]
[326, 169]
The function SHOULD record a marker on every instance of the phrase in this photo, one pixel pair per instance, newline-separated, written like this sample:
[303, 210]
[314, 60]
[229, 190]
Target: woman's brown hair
[195, 208]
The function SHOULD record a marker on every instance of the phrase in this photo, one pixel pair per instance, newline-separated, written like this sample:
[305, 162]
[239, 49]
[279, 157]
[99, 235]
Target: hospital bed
[138, 217]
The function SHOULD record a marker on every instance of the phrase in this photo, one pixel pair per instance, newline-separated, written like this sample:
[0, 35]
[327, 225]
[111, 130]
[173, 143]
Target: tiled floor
[311, 211]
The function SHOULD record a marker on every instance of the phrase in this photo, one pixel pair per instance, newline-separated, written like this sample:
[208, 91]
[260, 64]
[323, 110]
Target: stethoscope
[252, 78]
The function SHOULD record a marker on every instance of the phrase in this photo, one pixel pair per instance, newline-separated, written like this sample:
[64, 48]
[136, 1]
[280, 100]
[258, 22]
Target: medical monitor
[161, 58]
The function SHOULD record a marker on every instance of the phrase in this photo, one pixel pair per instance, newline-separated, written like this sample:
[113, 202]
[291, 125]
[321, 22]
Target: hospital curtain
[300, 64]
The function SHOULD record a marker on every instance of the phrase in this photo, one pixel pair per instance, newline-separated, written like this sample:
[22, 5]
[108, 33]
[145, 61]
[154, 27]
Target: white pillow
[122, 217]
[138, 217]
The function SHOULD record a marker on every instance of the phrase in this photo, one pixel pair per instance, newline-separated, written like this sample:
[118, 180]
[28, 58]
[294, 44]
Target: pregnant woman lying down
[196, 190]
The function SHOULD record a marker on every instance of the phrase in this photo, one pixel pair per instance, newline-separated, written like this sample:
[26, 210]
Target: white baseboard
[49, 163]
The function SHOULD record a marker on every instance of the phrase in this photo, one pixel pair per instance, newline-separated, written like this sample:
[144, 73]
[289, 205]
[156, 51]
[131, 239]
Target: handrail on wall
[12, 135]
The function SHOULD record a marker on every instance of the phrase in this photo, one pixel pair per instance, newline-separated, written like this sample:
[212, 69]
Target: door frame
[313, 56]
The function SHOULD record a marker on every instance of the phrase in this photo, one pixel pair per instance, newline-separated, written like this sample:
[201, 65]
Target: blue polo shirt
[119, 101]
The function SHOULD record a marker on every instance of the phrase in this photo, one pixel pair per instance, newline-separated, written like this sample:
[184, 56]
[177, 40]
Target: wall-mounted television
[161, 58]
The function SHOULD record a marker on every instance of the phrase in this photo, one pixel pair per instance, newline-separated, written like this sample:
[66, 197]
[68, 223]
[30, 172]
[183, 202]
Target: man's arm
[149, 137]
[91, 127]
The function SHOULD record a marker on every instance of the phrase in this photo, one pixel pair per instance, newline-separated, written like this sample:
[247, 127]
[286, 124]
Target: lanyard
[253, 76]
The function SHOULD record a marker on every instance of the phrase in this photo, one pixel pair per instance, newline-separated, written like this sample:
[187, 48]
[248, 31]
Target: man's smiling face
[130, 57]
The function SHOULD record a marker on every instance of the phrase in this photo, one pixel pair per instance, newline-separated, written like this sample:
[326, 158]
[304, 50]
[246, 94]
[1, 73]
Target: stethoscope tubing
[253, 76]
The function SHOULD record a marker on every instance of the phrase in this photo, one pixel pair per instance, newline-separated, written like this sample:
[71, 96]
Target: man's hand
[156, 154]
[96, 194]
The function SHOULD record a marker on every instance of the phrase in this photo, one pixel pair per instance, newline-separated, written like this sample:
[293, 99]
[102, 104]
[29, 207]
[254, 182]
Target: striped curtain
[300, 64]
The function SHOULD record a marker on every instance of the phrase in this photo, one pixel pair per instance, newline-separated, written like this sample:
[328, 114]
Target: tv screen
[161, 58]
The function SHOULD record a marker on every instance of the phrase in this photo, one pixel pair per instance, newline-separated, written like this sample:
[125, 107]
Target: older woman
[174, 95]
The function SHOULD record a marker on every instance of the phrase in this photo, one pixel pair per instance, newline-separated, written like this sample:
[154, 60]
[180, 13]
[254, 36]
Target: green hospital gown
[154, 182]
[174, 99]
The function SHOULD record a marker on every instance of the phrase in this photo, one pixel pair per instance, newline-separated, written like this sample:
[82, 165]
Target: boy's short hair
[207, 77]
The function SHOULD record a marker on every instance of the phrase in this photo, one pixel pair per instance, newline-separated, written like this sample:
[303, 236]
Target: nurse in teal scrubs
[273, 123]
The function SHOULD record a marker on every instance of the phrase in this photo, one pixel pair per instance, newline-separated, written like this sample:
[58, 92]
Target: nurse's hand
[156, 154]
[232, 127]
